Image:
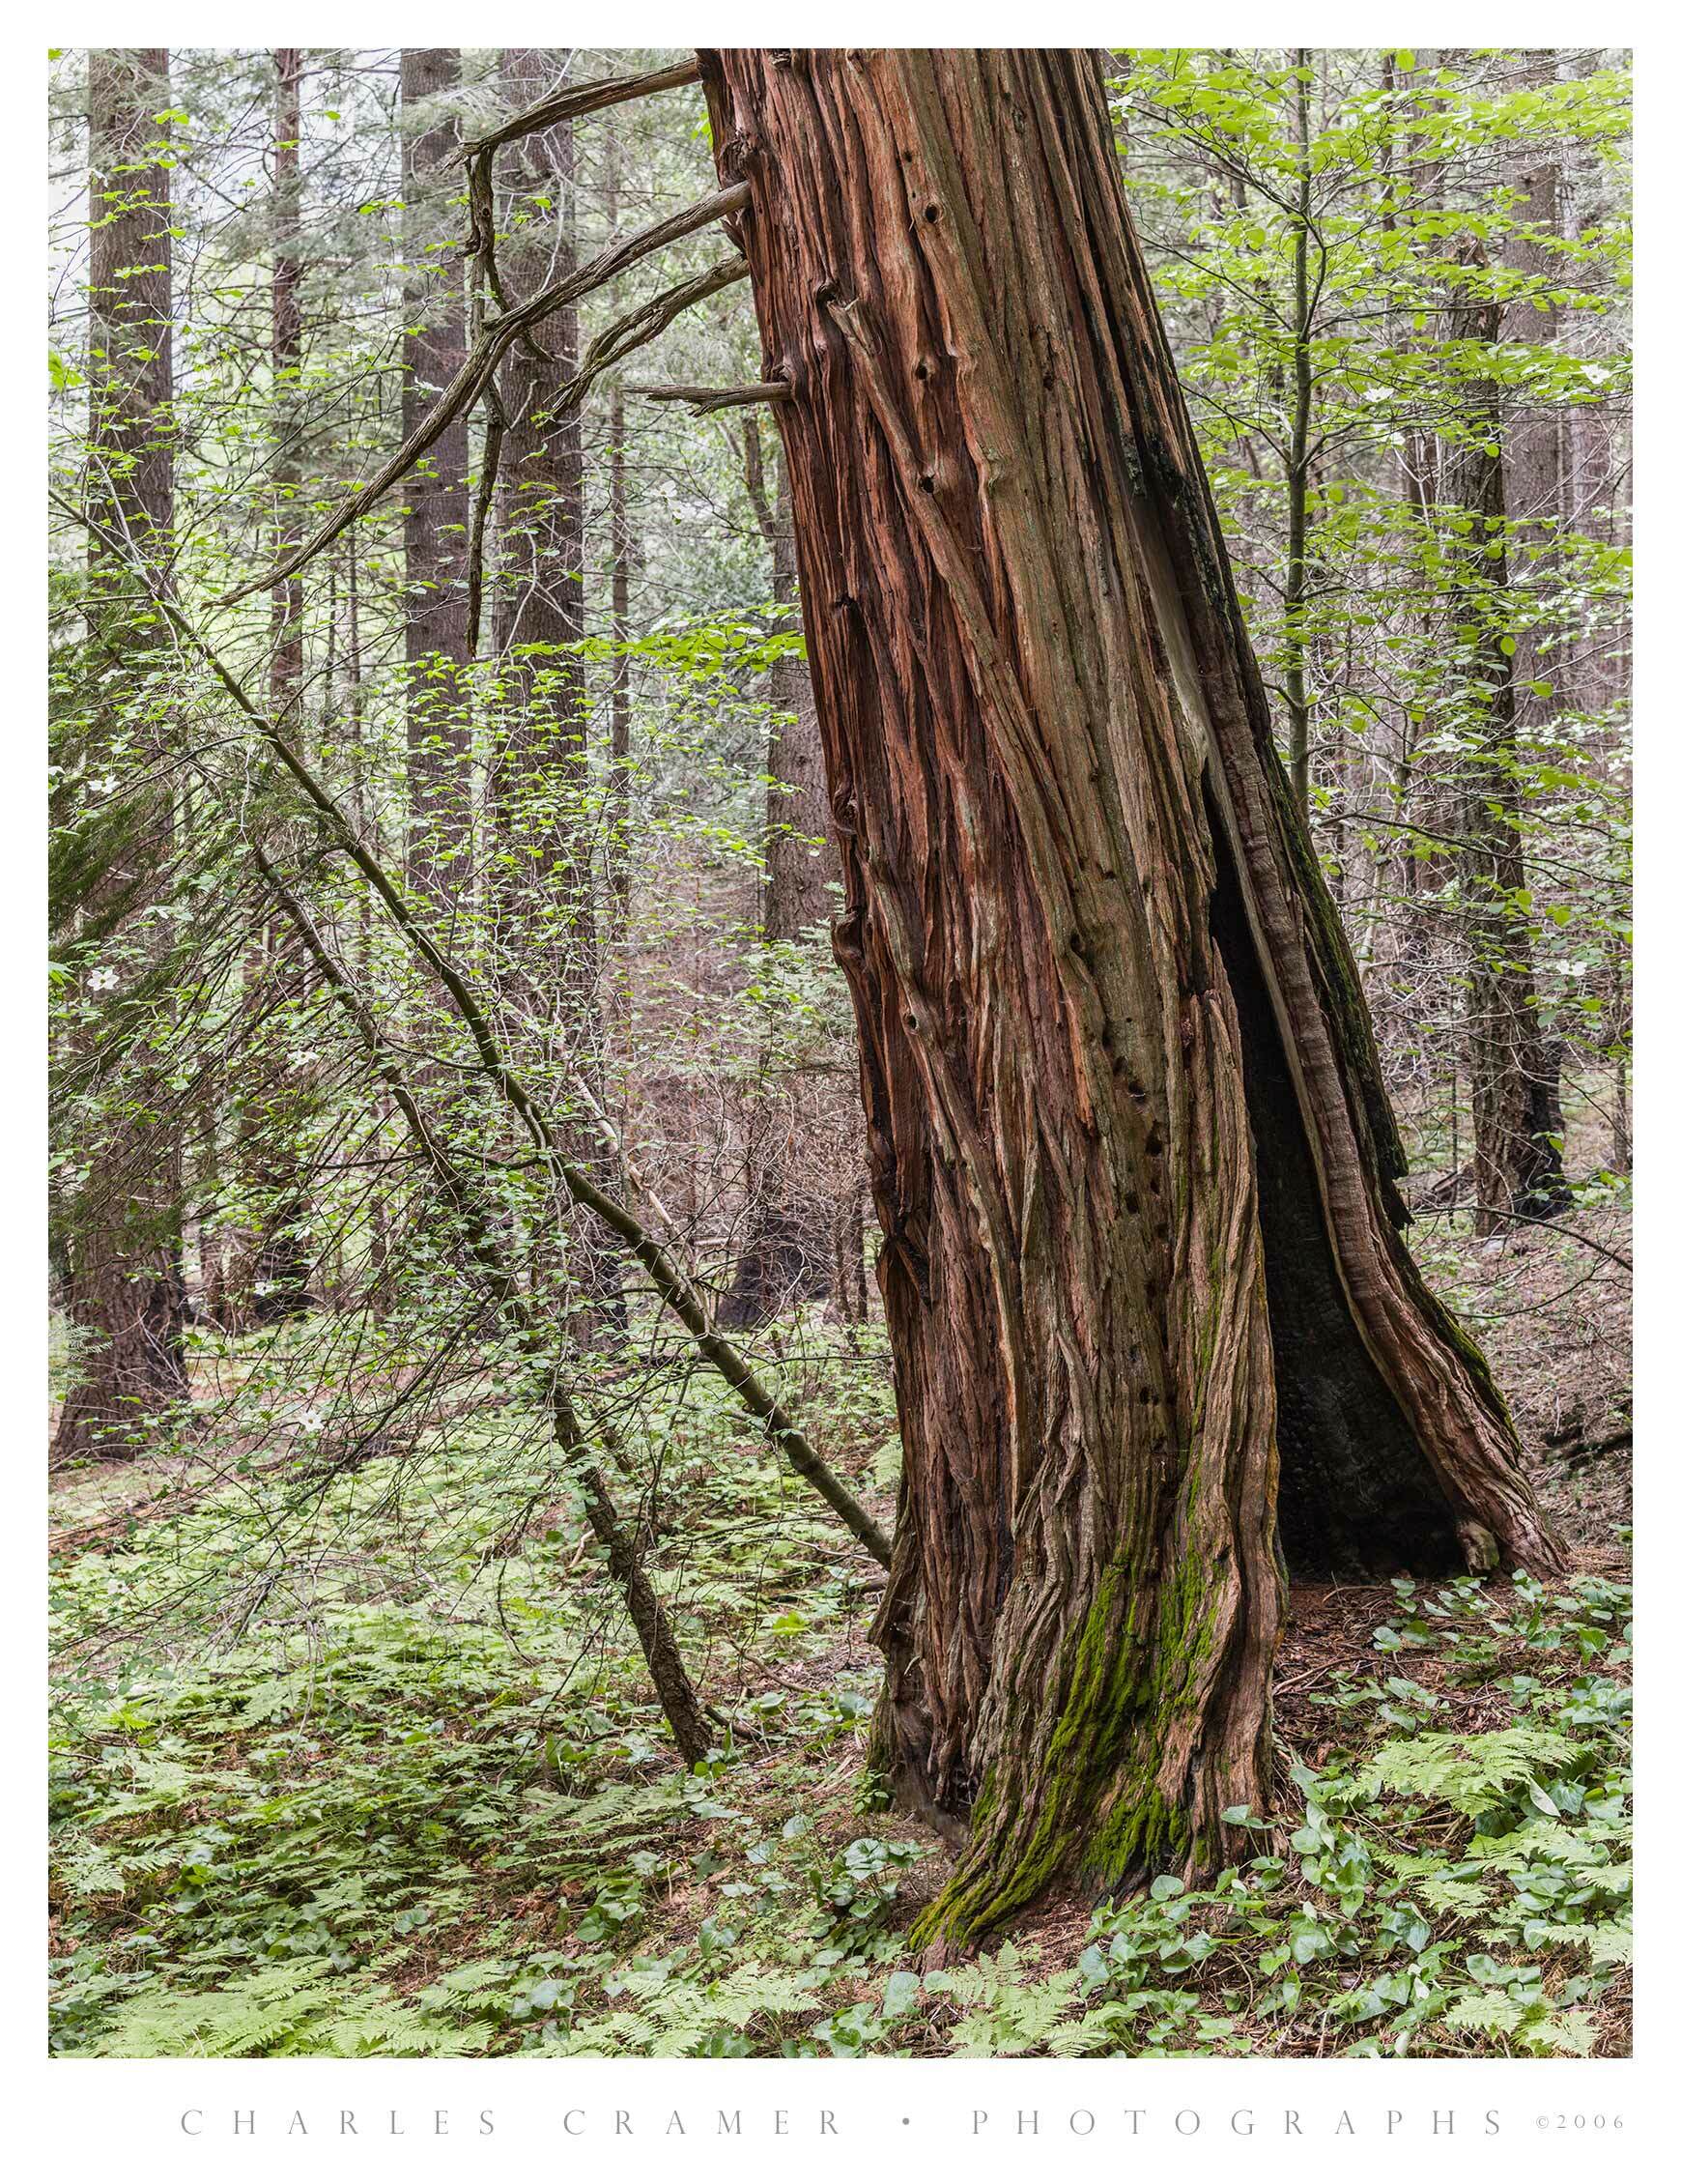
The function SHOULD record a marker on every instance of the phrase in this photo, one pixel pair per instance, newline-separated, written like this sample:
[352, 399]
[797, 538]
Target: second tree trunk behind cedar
[540, 865]
[1513, 1067]
[788, 1224]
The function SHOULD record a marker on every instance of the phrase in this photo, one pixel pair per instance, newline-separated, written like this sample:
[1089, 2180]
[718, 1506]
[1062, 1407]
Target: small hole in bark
[927, 481]
[932, 214]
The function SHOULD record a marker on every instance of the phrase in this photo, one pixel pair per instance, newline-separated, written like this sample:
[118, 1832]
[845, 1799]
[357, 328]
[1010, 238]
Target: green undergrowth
[313, 1798]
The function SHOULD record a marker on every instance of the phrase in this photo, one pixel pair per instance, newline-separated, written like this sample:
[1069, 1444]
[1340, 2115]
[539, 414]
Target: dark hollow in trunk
[1356, 1495]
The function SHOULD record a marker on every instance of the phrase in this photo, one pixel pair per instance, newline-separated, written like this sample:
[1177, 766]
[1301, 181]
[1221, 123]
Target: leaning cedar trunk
[122, 1235]
[1513, 1066]
[1115, 1056]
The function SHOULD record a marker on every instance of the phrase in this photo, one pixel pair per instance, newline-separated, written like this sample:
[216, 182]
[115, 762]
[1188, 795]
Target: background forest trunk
[436, 514]
[1093, 963]
[1514, 1070]
[276, 1275]
[789, 1237]
[124, 1291]
[542, 803]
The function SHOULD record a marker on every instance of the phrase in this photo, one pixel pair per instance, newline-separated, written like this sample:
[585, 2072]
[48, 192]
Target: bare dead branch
[557, 107]
[704, 400]
[478, 370]
[582, 99]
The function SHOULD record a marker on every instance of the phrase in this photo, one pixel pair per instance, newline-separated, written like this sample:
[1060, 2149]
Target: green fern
[1466, 1772]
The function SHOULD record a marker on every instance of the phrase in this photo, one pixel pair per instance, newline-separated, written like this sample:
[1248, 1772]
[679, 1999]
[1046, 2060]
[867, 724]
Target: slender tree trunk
[280, 1265]
[459, 1195]
[785, 1253]
[124, 1289]
[1297, 469]
[286, 610]
[619, 550]
[1534, 450]
[1514, 1076]
[1132, 1157]
[437, 515]
[542, 758]
[541, 793]
[619, 721]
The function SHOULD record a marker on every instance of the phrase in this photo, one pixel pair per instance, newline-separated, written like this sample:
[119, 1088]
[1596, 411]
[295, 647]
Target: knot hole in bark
[738, 155]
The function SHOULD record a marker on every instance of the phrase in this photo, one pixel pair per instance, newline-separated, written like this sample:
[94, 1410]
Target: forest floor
[357, 1758]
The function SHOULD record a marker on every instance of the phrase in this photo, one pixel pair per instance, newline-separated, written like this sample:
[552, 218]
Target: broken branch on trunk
[547, 113]
[704, 400]
[581, 98]
[478, 371]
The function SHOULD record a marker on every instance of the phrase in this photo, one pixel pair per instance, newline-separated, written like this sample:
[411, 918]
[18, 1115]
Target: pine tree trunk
[1514, 1070]
[1142, 1272]
[436, 514]
[125, 1290]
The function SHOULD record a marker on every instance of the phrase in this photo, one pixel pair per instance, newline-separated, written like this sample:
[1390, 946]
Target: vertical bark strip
[1044, 736]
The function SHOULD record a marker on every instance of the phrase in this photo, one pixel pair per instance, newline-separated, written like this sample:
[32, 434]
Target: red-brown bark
[1128, 1144]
